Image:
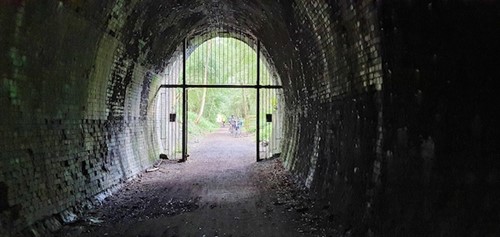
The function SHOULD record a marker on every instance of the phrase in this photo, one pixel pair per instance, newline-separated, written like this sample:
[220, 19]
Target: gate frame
[186, 86]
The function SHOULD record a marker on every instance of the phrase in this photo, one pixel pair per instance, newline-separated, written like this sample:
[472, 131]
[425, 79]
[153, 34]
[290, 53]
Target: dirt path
[219, 191]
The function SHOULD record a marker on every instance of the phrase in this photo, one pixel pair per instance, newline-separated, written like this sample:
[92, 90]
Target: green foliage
[203, 127]
[226, 61]
[265, 128]
[229, 61]
[266, 131]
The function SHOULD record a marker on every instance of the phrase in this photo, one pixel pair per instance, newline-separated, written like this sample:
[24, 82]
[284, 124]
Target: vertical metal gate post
[184, 104]
[258, 101]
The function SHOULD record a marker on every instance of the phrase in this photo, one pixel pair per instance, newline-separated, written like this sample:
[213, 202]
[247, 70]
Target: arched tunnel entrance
[389, 124]
[222, 60]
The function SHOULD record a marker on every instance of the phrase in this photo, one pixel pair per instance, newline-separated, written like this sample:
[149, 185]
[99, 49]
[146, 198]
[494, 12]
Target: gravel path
[219, 191]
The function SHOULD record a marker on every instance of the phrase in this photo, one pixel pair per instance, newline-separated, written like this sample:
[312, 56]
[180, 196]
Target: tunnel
[390, 107]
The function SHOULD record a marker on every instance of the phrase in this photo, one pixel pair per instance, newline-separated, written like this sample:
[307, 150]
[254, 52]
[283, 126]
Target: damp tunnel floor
[219, 191]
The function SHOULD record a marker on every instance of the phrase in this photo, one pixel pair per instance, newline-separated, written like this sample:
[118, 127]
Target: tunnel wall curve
[388, 114]
[74, 101]
[332, 79]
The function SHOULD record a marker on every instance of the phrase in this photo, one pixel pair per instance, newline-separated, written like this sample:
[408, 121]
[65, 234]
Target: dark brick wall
[416, 155]
[441, 156]
[332, 73]
[71, 126]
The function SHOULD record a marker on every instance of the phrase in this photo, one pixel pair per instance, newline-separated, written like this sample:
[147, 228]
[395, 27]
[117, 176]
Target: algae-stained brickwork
[70, 126]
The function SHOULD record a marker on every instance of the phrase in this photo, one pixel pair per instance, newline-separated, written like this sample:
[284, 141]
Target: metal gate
[171, 122]
[271, 116]
[171, 111]
[235, 67]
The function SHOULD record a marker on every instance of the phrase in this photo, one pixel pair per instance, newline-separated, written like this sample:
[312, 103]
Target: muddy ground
[219, 191]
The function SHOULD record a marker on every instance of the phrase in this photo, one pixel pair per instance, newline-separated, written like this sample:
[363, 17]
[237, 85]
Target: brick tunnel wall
[375, 105]
[332, 71]
[441, 166]
[389, 111]
[74, 109]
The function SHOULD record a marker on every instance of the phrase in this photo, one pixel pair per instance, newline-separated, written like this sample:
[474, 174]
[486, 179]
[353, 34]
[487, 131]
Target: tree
[222, 61]
[205, 78]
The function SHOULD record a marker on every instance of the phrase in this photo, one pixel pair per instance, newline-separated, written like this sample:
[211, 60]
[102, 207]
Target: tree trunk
[205, 78]
[245, 108]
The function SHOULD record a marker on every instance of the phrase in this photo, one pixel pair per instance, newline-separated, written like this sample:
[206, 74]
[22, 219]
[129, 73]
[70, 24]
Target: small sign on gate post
[173, 117]
[269, 118]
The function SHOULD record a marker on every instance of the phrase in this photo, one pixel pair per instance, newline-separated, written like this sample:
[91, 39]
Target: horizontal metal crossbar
[220, 86]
